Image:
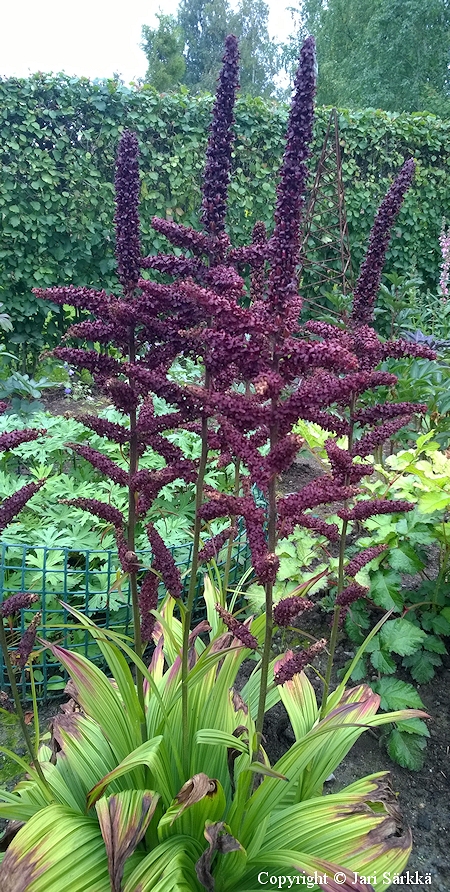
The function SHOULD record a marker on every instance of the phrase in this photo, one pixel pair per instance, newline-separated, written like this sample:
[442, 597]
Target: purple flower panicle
[211, 548]
[218, 153]
[163, 563]
[287, 609]
[101, 462]
[364, 557]
[368, 283]
[15, 438]
[351, 593]
[148, 600]
[372, 507]
[20, 601]
[13, 504]
[239, 630]
[285, 242]
[292, 664]
[128, 249]
[20, 656]
[99, 509]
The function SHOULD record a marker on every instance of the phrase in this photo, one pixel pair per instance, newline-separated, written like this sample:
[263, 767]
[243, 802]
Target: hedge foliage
[58, 137]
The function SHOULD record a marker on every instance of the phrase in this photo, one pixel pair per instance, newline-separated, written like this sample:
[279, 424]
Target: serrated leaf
[383, 662]
[406, 749]
[421, 665]
[435, 644]
[401, 637]
[441, 624]
[385, 589]
[405, 559]
[396, 694]
[357, 622]
[414, 726]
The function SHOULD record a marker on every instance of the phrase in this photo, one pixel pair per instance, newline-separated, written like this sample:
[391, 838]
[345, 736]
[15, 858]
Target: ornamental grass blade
[84, 757]
[100, 700]
[271, 793]
[146, 754]
[41, 856]
[124, 819]
[169, 867]
[119, 668]
[299, 700]
[23, 803]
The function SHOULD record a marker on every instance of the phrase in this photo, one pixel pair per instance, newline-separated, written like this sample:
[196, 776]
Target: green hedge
[58, 136]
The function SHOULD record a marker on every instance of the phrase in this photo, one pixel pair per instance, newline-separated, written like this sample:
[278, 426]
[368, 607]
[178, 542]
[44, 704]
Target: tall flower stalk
[263, 372]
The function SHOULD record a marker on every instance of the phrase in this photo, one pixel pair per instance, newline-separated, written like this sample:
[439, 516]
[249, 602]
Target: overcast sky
[91, 38]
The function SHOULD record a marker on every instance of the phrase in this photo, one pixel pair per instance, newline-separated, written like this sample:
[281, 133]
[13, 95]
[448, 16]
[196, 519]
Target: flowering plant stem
[335, 625]
[132, 538]
[18, 705]
[187, 613]
[237, 487]
[268, 634]
[340, 585]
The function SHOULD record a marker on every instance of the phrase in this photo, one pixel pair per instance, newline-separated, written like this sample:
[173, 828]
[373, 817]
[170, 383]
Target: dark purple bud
[364, 557]
[15, 438]
[163, 562]
[13, 504]
[287, 609]
[238, 629]
[20, 601]
[128, 249]
[20, 656]
[292, 664]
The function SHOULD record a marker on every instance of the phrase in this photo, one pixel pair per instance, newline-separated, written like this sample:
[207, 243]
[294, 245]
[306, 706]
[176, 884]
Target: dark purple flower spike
[368, 283]
[218, 154]
[285, 242]
[128, 249]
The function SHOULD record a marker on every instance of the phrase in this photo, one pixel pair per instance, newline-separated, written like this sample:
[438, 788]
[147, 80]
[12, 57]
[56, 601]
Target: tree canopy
[187, 48]
[164, 47]
[390, 54]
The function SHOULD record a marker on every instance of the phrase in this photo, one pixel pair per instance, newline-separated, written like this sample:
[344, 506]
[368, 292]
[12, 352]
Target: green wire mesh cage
[91, 581]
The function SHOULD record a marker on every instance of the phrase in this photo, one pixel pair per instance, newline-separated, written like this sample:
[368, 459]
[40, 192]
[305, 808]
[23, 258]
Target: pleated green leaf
[146, 754]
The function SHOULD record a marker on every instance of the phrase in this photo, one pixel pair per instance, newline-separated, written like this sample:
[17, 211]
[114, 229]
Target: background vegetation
[57, 138]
